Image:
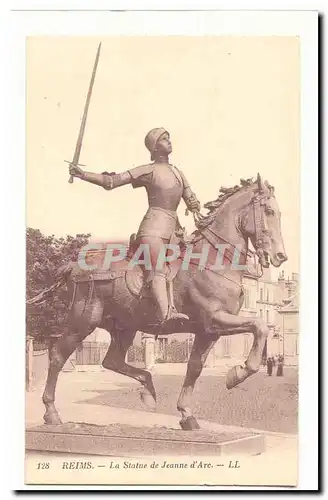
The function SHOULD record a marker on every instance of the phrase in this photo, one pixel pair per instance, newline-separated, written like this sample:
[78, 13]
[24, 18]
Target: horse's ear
[270, 188]
[259, 182]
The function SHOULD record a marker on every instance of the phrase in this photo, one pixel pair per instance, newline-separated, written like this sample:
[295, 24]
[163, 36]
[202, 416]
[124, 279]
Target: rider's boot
[159, 289]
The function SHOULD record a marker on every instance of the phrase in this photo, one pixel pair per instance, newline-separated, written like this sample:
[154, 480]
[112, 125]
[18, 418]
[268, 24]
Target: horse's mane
[213, 206]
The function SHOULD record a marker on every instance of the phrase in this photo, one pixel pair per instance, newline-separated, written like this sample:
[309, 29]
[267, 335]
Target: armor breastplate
[165, 190]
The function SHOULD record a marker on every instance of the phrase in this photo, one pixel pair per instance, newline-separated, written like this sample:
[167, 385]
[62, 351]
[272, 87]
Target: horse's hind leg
[114, 360]
[59, 352]
[81, 321]
[200, 350]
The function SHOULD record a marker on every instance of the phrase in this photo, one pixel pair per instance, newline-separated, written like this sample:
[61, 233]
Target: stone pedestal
[131, 441]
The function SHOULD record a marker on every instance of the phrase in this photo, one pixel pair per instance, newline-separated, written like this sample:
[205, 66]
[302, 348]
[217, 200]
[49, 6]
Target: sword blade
[79, 142]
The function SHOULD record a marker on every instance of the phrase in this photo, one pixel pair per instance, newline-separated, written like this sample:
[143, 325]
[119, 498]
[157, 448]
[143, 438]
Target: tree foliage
[44, 255]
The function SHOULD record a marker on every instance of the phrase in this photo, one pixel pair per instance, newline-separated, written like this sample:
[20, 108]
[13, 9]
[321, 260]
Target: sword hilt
[71, 179]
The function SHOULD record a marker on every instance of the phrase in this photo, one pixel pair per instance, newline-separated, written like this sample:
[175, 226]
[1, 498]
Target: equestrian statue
[171, 297]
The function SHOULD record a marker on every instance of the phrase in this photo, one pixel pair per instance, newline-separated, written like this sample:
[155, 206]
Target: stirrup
[171, 318]
[177, 315]
[173, 314]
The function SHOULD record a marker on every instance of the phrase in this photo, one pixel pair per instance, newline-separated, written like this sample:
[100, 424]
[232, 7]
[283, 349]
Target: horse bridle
[260, 228]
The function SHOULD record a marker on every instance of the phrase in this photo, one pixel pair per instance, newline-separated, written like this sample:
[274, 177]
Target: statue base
[129, 441]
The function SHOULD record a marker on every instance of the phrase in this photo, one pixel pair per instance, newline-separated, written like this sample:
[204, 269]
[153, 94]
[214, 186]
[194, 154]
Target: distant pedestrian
[269, 366]
[280, 369]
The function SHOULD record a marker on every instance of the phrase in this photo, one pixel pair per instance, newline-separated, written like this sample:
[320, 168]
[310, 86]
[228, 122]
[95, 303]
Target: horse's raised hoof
[236, 375]
[189, 424]
[52, 418]
[147, 399]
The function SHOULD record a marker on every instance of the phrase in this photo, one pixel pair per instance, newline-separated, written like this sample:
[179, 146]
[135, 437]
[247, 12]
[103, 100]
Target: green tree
[44, 255]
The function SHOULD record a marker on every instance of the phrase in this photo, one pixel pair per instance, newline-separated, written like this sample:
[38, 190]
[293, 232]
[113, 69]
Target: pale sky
[231, 105]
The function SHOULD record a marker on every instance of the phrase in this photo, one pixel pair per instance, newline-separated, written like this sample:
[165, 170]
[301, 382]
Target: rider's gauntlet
[192, 202]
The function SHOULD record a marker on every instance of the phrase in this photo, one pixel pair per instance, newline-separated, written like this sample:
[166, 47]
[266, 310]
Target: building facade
[276, 302]
[288, 318]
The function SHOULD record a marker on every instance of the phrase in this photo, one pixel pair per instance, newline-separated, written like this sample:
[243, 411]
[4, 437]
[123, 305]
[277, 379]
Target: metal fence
[136, 354]
[91, 353]
[176, 352]
[40, 345]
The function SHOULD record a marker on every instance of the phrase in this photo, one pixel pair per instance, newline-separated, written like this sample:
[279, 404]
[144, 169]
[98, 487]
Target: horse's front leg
[121, 340]
[228, 324]
[200, 350]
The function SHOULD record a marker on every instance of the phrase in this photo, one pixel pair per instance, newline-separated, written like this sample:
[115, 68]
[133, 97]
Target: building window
[226, 346]
[267, 317]
[261, 295]
[268, 296]
[246, 298]
[291, 345]
[261, 313]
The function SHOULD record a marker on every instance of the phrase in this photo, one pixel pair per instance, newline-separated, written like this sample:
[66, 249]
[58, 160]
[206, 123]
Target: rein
[259, 223]
[259, 226]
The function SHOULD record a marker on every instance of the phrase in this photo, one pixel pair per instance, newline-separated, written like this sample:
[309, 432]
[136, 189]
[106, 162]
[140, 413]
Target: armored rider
[165, 185]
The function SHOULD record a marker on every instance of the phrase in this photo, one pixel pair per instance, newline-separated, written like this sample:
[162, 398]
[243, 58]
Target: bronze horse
[211, 299]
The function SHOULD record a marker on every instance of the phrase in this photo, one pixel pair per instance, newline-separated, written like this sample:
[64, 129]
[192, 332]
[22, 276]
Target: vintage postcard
[163, 272]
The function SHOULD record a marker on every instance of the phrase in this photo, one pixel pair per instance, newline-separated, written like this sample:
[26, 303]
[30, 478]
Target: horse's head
[251, 211]
[261, 223]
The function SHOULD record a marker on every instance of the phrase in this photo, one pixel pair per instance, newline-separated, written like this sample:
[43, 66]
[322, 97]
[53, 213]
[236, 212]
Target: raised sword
[78, 146]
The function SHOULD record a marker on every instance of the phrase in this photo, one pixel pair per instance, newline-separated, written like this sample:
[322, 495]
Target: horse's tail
[60, 279]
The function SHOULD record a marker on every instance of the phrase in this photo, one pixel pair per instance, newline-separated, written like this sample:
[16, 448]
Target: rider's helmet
[152, 138]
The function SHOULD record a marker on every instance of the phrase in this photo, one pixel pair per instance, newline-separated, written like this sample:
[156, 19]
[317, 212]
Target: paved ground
[261, 402]
[267, 403]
